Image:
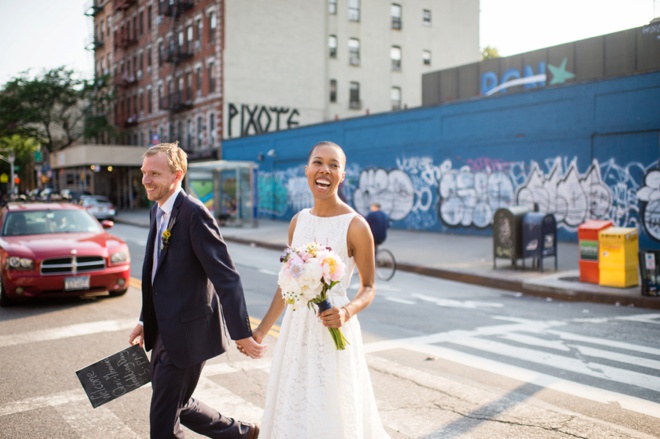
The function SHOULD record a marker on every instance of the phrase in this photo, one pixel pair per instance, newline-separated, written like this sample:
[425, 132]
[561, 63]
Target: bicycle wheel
[385, 264]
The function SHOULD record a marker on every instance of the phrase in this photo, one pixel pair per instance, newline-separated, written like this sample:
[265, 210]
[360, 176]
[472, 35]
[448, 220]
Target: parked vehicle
[58, 249]
[72, 195]
[99, 206]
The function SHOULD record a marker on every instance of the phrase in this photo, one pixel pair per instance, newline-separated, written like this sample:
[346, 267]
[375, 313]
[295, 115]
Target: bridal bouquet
[306, 276]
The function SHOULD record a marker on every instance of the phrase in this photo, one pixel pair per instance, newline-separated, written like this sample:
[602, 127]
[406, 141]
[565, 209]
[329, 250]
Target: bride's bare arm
[277, 305]
[361, 246]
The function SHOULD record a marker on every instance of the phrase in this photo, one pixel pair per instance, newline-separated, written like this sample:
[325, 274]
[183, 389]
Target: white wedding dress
[314, 390]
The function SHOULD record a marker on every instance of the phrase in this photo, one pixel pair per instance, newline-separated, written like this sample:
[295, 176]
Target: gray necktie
[159, 236]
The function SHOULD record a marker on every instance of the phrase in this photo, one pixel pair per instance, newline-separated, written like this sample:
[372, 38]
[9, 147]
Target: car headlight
[121, 256]
[17, 263]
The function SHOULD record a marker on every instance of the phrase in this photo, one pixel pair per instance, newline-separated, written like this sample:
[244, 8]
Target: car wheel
[118, 293]
[4, 300]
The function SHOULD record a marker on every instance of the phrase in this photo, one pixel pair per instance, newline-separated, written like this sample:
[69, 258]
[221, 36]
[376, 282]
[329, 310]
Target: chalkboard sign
[115, 376]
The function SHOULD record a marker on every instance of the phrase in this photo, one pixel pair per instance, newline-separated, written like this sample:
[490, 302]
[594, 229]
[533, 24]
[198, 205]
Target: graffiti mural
[423, 195]
[246, 120]
[394, 191]
[491, 84]
[649, 195]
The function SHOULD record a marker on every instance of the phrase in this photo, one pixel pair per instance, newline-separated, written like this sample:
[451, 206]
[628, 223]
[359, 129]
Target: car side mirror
[107, 224]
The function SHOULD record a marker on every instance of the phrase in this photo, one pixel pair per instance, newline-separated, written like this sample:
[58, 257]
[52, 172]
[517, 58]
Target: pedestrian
[379, 222]
[190, 290]
[314, 389]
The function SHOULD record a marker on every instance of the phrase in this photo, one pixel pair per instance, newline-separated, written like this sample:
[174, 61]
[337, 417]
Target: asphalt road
[447, 360]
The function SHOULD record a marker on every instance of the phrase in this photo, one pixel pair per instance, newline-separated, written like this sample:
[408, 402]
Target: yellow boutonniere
[167, 234]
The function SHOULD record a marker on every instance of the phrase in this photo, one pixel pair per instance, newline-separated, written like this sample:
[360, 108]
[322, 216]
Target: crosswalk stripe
[39, 402]
[605, 342]
[66, 332]
[91, 423]
[584, 350]
[232, 405]
[587, 368]
[590, 393]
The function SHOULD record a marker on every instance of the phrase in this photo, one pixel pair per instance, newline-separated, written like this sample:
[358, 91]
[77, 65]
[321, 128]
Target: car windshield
[44, 222]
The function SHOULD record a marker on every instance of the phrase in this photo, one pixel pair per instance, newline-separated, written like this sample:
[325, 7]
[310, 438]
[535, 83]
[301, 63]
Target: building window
[211, 78]
[396, 16]
[150, 107]
[353, 10]
[189, 133]
[212, 129]
[149, 17]
[182, 40]
[395, 54]
[141, 22]
[332, 45]
[198, 79]
[426, 57]
[395, 97]
[213, 23]
[189, 37]
[354, 96]
[354, 51]
[199, 30]
[426, 17]
[200, 132]
[160, 54]
[332, 7]
[149, 58]
[333, 90]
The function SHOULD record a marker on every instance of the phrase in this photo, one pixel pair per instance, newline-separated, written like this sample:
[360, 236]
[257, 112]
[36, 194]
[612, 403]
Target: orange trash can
[588, 245]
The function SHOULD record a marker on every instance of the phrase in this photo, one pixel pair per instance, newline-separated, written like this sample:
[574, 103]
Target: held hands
[250, 347]
[334, 317]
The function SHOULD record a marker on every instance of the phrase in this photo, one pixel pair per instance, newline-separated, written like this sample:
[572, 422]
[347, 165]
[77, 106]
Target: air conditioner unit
[197, 45]
[139, 75]
[159, 19]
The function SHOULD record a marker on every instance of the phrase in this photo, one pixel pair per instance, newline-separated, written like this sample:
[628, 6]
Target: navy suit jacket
[195, 289]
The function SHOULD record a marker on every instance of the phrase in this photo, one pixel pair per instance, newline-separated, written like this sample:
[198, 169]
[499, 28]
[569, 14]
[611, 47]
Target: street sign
[37, 157]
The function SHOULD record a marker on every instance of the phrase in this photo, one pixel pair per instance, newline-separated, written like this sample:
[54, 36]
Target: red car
[58, 249]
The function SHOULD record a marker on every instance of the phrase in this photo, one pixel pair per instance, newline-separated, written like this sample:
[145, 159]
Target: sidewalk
[467, 259]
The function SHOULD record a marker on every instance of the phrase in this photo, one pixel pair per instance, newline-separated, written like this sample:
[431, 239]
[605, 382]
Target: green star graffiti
[559, 74]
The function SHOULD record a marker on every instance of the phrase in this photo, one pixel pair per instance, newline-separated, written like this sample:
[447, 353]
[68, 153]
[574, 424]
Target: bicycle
[385, 264]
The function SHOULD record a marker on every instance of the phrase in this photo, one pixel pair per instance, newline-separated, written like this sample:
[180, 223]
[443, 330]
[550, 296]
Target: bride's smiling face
[325, 170]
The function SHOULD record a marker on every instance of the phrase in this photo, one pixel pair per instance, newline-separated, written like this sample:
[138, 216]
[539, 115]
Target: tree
[22, 148]
[51, 108]
[489, 52]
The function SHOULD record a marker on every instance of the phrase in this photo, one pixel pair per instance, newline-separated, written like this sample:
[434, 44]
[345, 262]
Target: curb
[528, 288]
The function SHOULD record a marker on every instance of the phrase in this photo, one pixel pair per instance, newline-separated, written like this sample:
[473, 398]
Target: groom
[189, 287]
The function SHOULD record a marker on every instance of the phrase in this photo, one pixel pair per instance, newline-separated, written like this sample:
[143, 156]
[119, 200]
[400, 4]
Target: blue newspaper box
[539, 238]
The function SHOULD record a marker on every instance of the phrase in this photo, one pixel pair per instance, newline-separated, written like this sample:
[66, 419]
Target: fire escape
[177, 51]
[126, 111]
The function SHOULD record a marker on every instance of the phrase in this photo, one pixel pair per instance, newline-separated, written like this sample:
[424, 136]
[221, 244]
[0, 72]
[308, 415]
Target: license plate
[76, 283]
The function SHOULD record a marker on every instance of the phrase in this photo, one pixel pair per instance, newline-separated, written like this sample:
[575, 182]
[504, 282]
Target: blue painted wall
[582, 151]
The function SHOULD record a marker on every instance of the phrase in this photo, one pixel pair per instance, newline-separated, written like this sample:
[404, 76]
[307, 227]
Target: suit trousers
[172, 404]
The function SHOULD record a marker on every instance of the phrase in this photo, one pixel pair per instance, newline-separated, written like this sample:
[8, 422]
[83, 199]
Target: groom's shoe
[253, 433]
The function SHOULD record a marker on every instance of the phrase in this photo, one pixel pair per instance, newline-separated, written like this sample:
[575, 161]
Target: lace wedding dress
[314, 390]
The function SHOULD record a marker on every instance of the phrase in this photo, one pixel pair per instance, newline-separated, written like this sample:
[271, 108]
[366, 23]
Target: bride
[315, 390]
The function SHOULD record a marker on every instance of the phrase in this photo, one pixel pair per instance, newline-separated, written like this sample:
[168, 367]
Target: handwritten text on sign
[115, 376]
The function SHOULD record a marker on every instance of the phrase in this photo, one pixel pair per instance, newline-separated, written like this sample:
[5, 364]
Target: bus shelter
[227, 188]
